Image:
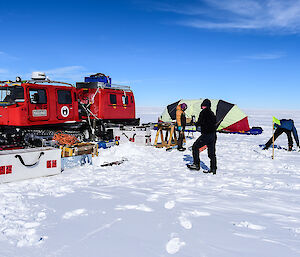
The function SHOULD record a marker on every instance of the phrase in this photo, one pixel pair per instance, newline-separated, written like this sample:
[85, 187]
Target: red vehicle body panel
[28, 113]
[105, 104]
[102, 106]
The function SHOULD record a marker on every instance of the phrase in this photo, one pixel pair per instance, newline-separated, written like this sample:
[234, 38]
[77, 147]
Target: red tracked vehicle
[32, 111]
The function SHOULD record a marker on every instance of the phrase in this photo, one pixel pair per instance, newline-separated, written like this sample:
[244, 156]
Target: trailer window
[125, 99]
[64, 97]
[11, 95]
[38, 96]
[113, 99]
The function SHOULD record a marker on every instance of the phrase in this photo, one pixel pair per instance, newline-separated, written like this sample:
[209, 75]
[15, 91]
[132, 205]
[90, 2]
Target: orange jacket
[180, 116]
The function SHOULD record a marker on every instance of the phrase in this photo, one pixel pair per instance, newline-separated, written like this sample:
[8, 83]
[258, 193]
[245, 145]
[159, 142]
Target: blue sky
[241, 51]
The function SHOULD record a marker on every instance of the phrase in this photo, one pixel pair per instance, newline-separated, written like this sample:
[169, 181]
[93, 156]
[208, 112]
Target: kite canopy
[229, 117]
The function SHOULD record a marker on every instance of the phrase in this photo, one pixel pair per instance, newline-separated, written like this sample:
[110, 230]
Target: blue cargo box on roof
[98, 79]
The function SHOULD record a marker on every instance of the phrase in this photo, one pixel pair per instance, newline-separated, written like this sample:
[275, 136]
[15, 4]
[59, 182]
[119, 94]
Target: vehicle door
[65, 110]
[38, 104]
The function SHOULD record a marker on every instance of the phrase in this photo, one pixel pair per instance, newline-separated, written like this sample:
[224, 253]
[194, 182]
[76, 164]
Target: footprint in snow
[41, 216]
[170, 205]
[246, 224]
[31, 224]
[74, 213]
[184, 222]
[197, 213]
[174, 245]
[153, 198]
[140, 207]
[296, 230]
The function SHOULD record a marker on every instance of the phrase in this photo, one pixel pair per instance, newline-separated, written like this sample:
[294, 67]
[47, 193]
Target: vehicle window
[125, 99]
[37, 96]
[113, 99]
[11, 95]
[132, 99]
[64, 97]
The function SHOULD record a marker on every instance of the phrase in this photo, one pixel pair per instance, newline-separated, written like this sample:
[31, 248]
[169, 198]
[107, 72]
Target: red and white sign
[64, 111]
[5, 169]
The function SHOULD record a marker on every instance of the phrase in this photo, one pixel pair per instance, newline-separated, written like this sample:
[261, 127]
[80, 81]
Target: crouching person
[207, 122]
[287, 127]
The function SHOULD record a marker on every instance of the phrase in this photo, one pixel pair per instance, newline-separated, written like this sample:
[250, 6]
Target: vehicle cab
[12, 103]
[37, 102]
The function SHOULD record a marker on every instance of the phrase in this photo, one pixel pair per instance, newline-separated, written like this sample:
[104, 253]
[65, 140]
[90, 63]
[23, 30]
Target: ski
[113, 163]
[172, 148]
[279, 148]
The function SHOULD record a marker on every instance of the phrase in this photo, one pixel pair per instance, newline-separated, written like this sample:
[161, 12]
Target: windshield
[11, 95]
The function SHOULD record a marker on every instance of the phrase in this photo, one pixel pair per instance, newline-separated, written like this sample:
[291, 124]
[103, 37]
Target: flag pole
[273, 141]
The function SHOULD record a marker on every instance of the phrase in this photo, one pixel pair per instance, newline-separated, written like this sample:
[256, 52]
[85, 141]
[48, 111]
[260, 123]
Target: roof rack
[35, 82]
[102, 85]
[8, 82]
[49, 82]
[120, 87]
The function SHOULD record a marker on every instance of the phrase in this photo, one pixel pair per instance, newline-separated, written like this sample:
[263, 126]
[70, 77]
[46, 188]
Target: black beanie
[206, 103]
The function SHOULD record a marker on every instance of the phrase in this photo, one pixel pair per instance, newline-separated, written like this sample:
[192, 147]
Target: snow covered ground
[153, 206]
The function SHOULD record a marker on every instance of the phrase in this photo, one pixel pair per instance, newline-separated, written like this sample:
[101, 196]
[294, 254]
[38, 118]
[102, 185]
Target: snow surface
[152, 205]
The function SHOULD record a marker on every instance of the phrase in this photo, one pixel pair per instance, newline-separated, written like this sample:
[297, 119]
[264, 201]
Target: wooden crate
[79, 149]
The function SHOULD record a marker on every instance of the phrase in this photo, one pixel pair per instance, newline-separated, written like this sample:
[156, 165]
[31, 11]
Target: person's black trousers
[277, 133]
[180, 139]
[210, 141]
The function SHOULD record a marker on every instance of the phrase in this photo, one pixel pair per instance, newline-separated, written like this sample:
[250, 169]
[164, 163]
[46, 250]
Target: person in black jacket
[207, 122]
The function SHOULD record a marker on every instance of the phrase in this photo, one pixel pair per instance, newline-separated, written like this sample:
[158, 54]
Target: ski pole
[273, 140]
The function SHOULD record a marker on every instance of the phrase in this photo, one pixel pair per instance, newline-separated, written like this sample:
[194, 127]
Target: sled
[29, 163]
